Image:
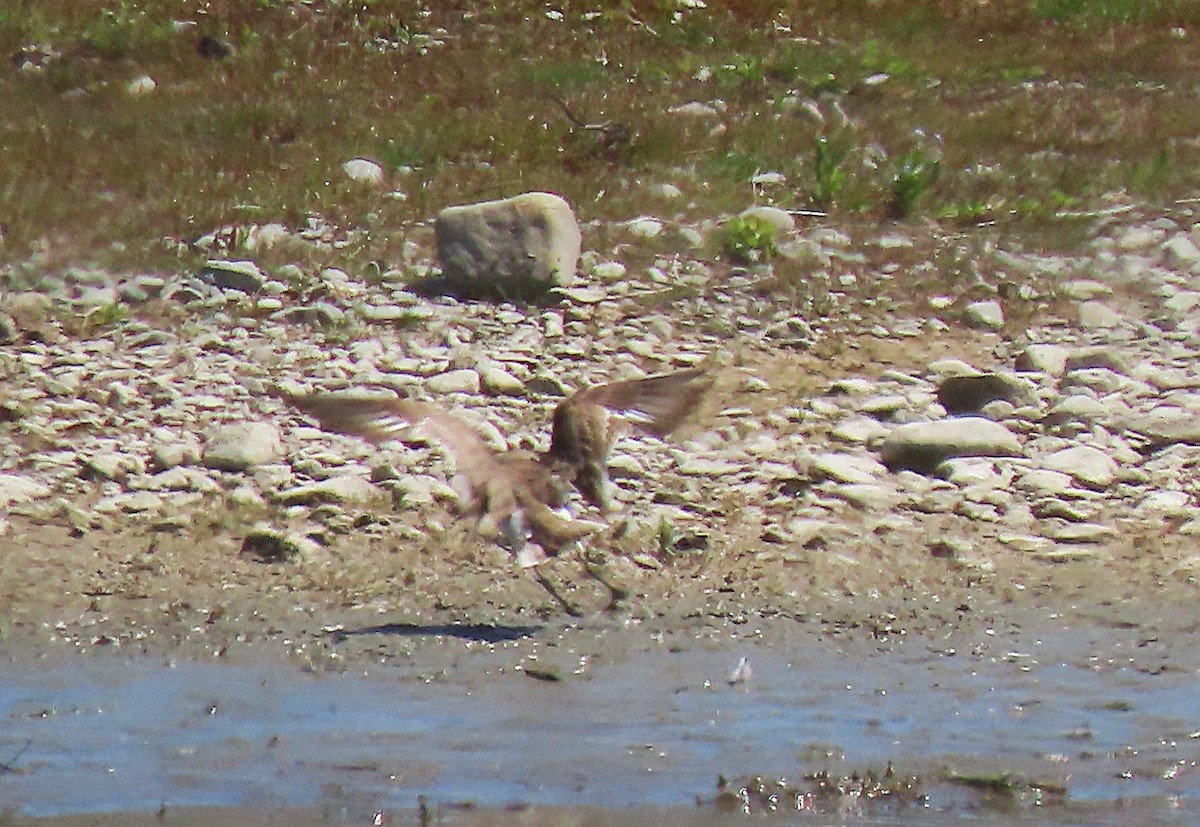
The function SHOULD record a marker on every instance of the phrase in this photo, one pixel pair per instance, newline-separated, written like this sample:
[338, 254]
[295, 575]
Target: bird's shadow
[477, 632]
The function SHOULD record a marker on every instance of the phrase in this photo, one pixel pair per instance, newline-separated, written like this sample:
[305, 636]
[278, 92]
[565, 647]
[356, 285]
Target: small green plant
[1147, 177]
[915, 174]
[120, 31]
[666, 537]
[106, 315]
[749, 239]
[831, 176]
[878, 58]
[968, 212]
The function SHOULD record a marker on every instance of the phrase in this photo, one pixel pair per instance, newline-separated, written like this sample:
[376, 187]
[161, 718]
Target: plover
[524, 494]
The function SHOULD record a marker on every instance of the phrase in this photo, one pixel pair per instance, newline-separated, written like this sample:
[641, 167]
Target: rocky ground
[157, 497]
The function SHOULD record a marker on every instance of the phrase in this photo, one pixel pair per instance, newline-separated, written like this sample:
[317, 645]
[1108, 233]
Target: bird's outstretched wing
[581, 435]
[514, 489]
[385, 419]
[656, 404]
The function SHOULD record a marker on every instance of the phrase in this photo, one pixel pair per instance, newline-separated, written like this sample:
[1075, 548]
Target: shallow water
[654, 725]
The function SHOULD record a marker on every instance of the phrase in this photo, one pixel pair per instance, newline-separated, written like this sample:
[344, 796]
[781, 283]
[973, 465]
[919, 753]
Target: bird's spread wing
[581, 434]
[514, 490]
[385, 419]
[655, 404]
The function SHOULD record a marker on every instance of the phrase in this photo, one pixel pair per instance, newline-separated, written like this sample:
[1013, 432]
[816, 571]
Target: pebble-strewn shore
[1084, 448]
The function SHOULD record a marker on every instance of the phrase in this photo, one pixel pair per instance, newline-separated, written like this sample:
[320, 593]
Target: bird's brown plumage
[519, 490]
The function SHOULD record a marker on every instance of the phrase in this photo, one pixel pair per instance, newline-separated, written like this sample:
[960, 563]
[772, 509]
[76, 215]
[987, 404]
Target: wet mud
[558, 720]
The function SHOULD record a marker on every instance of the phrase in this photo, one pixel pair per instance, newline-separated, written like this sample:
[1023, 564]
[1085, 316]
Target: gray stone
[869, 496]
[1139, 238]
[847, 468]
[859, 429]
[18, 489]
[131, 503]
[274, 546]
[171, 454]
[780, 220]
[266, 236]
[28, 308]
[1098, 380]
[1097, 357]
[346, 488]
[141, 288]
[968, 394]
[362, 171]
[609, 271]
[694, 109]
[241, 446]
[802, 530]
[1094, 315]
[246, 495]
[320, 314]
[988, 314]
[1085, 289]
[499, 382]
[1043, 482]
[518, 247]
[1166, 503]
[233, 275]
[1064, 531]
[645, 226]
[942, 369]
[1163, 426]
[975, 472]
[386, 313]
[1078, 408]
[465, 380]
[1048, 359]
[141, 85]
[419, 489]
[1073, 512]
[179, 479]
[921, 446]
[708, 467]
[1181, 251]
[666, 190]
[1027, 543]
[113, 465]
[1090, 466]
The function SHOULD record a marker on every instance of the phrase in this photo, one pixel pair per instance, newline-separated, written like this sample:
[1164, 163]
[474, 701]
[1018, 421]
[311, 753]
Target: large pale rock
[1161, 427]
[968, 394]
[1048, 359]
[1088, 465]
[985, 314]
[244, 276]
[780, 220]
[921, 446]
[515, 248]
[464, 380]
[847, 468]
[243, 445]
[17, 489]
[341, 489]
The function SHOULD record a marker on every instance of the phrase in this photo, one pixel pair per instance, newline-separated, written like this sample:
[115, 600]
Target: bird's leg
[552, 590]
[616, 594]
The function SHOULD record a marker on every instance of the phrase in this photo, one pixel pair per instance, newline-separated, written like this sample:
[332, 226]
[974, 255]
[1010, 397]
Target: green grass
[1092, 12]
[1042, 103]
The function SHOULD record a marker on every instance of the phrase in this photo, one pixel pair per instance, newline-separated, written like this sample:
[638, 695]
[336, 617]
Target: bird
[521, 493]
